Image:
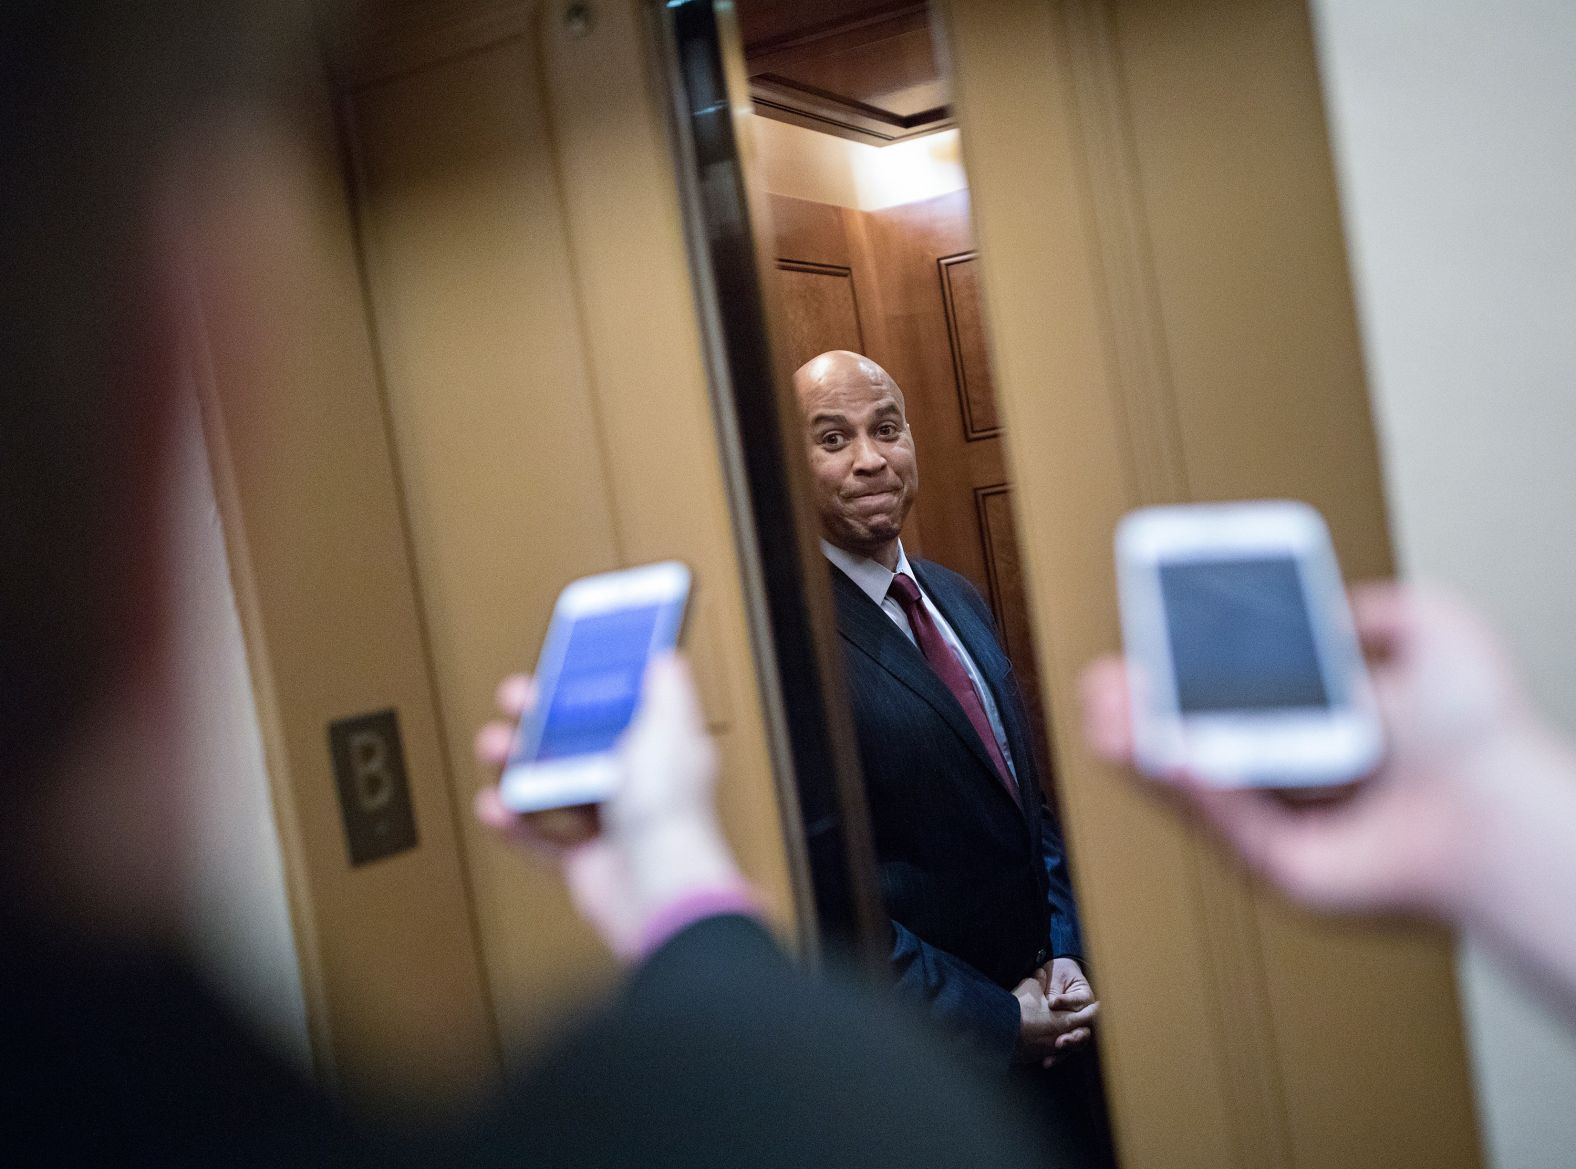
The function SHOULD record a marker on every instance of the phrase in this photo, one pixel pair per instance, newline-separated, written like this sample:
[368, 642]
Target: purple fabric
[686, 911]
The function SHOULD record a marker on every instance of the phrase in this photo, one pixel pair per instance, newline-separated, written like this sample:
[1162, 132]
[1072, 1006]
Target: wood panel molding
[815, 268]
[971, 373]
[871, 76]
[775, 96]
[988, 503]
[820, 311]
[1009, 602]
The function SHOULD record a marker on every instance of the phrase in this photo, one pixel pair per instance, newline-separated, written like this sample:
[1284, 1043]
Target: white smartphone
[604, 632]
[1243, 663]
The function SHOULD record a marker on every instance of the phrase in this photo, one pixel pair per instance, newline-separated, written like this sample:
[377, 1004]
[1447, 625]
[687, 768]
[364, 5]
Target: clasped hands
[1057, 1007]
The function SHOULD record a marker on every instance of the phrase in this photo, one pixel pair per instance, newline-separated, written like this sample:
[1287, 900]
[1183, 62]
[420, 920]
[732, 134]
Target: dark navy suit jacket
[112, 1056]
[975, 884]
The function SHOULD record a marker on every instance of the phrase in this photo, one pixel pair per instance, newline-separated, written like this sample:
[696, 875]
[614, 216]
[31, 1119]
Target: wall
[238, 911]
[549, 415]
[385, 972]
[807, 164]
[1455, 129]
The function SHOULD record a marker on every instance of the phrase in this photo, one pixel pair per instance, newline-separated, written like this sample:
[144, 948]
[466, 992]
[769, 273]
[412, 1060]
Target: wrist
[1523, 795]
[1524, 881]
[1031, 1004]
[672, 858]
[677, 916]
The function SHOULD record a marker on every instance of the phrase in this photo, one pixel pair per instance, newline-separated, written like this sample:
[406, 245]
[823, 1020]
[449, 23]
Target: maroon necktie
[950, 669]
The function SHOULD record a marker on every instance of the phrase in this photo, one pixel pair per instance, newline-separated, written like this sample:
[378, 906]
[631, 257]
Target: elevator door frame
[1171, 318]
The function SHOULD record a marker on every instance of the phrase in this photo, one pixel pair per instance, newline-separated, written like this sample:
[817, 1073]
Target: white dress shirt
[875, 580]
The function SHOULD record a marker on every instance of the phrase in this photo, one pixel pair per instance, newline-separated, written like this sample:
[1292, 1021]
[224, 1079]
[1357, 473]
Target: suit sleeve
[1066, 936]
[956, 996]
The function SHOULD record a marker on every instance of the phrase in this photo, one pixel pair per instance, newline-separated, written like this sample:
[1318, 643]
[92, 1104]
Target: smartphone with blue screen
[604, 632]
[1243, 662]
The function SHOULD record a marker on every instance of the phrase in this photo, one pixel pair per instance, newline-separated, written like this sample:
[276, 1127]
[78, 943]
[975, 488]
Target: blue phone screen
[1241, 638]
[599, 679]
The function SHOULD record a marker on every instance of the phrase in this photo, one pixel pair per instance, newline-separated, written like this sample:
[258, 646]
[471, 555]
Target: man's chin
[867, 538]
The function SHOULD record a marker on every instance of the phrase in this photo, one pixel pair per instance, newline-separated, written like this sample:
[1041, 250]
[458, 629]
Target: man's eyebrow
[817, 419]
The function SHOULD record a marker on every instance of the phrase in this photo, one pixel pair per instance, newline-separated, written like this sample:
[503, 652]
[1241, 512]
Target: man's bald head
[861, 452]
[838, 366]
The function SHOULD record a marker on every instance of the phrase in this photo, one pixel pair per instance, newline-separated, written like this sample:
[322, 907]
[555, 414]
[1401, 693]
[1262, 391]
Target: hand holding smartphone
[604, 632]
[1243, 662]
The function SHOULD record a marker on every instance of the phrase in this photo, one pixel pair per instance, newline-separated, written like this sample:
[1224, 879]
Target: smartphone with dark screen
[1243, 662]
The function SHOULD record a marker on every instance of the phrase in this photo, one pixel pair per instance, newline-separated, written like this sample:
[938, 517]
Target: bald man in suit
[985, 932]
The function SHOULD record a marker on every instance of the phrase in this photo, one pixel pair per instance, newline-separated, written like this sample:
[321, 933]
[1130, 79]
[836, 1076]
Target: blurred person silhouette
[718, 1052]
[1470, 819]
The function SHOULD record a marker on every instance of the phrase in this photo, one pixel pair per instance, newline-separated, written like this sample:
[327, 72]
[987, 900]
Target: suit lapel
[861, 621]
[980, 641]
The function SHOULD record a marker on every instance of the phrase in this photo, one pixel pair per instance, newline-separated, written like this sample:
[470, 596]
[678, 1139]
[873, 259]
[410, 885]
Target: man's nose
[868, 456]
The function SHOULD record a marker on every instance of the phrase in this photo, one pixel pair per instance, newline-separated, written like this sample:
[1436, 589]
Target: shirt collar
[871, 576]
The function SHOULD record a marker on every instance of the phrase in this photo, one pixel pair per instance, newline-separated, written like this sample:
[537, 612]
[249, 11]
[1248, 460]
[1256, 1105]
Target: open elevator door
[1170, 317]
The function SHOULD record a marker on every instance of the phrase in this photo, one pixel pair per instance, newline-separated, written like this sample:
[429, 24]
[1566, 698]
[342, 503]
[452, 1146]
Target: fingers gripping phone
[604, 632]
[1243, 661]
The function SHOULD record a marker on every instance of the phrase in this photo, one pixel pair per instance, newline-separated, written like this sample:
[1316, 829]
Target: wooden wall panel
[810, 243]
[869, 76]
[907, 243]
[1009, 601]
[971, 376]
[809, 232]
[820, 311]
[937, 347]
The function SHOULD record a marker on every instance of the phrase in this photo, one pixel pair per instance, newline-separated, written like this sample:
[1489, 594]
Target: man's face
[861, 456]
